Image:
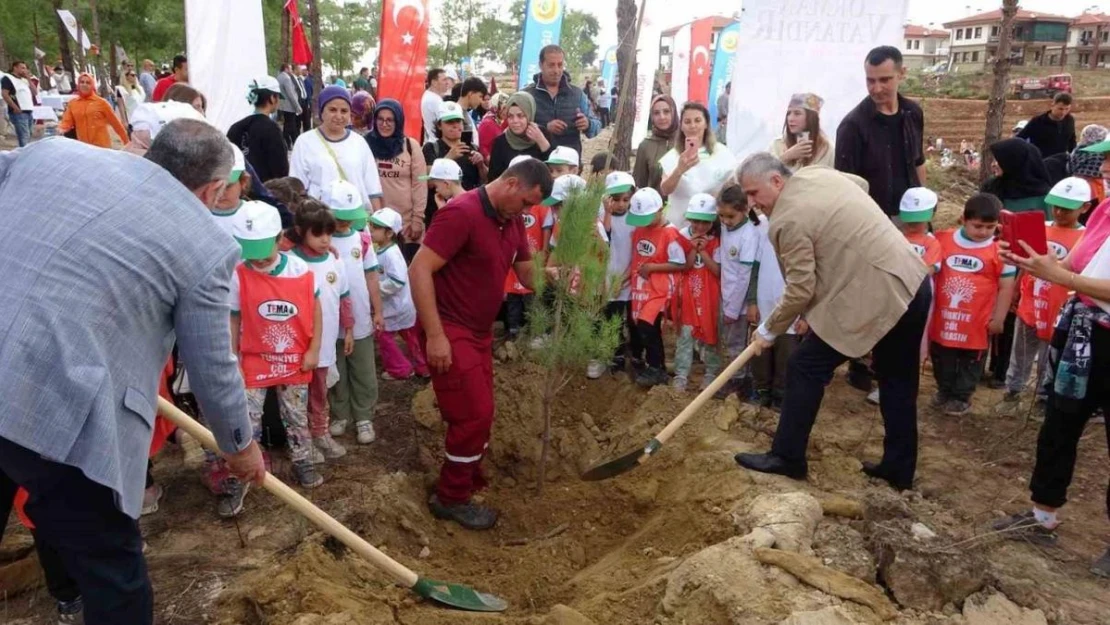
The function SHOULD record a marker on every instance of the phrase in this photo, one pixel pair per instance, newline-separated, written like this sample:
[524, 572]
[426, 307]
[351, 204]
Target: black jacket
[859, 150]
[260, 139]
[1050, 136]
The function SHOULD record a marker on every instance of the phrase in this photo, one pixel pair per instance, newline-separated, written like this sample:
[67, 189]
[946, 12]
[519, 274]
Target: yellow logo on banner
[729, 41]
[611, 57]
[545, 11]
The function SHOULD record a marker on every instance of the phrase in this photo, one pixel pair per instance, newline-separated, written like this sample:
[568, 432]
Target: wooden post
[105, 76]
[317, 65]
[63, 40]
[996, 106]
[4, 62]
[286, 26]
[620, 145]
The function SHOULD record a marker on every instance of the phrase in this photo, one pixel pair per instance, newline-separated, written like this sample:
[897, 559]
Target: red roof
[1091, 19]
[913, 30]
[996, 16]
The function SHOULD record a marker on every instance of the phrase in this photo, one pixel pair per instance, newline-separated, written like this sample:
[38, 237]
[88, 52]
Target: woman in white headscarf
[802, 142]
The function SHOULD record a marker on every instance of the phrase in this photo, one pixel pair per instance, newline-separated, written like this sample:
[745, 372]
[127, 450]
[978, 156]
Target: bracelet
[1071, 282]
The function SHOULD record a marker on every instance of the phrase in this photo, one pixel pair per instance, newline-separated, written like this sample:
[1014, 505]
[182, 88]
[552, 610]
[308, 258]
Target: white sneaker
[329, 447]
[366, 433]
[338, 427]
[315, 456]
[678, 383]
[595, 369]
[873, 397]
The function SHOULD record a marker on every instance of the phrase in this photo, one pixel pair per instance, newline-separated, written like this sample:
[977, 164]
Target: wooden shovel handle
[704, 396]
[404, 576]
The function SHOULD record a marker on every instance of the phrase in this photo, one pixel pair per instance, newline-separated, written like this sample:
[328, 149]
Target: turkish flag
[701, 34]
[403, 58]
[302, 52]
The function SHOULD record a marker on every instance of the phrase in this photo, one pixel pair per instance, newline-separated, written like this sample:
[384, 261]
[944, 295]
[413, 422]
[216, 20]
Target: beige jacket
[824, 159]
[848, 269]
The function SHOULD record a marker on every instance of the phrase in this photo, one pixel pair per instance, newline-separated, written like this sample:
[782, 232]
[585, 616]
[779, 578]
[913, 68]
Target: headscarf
[807, 101]
[386, 148]
[92, 92]
[528, 105]
[665, 133]
[1087, 164]
[1023, 171]
[362, 105]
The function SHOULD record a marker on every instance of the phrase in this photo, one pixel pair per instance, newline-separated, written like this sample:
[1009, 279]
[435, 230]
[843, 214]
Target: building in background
[1037, 38]
[924, 47]
[1089, 41]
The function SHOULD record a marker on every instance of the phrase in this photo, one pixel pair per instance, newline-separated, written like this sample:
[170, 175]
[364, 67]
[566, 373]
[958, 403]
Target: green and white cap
[1070, 193]
[646, 203]
[239, 165]
[619, 182]
[152, 116]
[443, 169]
[344, 201]
[562, 155]
[257, 230]
[1102, 147]
[562, 188]
[702, 207]
[449, 111]
[387, 218]
[918, 204]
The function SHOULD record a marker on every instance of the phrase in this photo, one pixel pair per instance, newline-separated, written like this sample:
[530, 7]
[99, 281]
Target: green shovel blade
[459, 596]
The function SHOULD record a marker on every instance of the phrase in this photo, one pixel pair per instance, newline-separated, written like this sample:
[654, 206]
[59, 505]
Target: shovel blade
[615, 467]
[459, 596]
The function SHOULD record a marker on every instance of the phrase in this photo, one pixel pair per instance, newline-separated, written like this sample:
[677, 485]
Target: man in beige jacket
[859, 285]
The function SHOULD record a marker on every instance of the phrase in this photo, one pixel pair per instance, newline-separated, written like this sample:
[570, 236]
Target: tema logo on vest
[1059, 251]
[529, 220]
[645, 248]
[733, 251]
[965, 264]
[277, 310]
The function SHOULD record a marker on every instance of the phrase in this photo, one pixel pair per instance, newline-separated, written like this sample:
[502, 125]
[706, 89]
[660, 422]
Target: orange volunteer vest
[699, 302]
[1041, 301]
[966, 289]
[275, 327]
[927, 248]
[650, 296]
[533, 231]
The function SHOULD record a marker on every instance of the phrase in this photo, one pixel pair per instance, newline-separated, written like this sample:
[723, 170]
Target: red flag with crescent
[403, 58]
[302, 52]
[701, 33]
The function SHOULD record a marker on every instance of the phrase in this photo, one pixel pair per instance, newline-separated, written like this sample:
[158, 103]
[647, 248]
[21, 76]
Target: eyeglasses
[386, 120]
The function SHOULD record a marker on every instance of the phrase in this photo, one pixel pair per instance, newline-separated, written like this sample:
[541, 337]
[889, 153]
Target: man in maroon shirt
[458, 283]
[180, 74]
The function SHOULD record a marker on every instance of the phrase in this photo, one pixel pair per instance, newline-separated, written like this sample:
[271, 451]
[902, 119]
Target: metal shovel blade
[459, 596]
[625, 463]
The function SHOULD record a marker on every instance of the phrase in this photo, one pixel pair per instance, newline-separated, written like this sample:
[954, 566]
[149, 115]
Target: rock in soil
[995, 609]
[923, 579]
[832, 615]
[843, 548]
[791, 517]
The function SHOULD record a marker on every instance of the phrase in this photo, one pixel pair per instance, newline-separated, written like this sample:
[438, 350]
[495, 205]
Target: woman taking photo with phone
[521, 137]
[400, 165]
[696, 163]
[802, 143]
[453, 143]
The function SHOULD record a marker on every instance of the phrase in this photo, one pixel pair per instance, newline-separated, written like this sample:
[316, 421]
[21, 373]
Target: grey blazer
[98, 272]
[290, 102]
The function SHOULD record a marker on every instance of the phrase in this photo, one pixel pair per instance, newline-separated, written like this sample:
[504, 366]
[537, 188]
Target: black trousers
[100, 546]
[604, 114]
[1000, 348]
[290, 127]
[651, 337]
[630, 339]
[516, 310]
[306, 116]
[409, 250]
[769, 368]
[956, 370]
[58, 582]
[897, 368]
[1063, 426]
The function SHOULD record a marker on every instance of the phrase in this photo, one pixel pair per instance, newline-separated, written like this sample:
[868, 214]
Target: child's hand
[644, 271]
[348, 343]
[753, 314]
[311, 360]
[699, 243]
[379, 321]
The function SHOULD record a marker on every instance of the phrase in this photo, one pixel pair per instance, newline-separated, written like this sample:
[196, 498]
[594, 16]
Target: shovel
[636, 457]
[453, 595]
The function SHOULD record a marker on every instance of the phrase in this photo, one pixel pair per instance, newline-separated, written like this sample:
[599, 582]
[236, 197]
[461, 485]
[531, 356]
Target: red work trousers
[465, 398]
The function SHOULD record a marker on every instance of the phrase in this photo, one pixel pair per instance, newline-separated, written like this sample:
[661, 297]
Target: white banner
[226, 49]
[794, 46]
[71, 25]
[647, 61]
[680, 66]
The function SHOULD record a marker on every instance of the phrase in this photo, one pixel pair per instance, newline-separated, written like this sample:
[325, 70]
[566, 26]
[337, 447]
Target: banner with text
[724, 62]
[210, 41]
[795, 46]
[647, 62]
[680, 66]
[403, 57]
[609, 68]
[543, 23]
[701, 36]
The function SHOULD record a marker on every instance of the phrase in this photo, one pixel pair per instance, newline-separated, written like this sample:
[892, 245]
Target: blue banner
[723, 64]
[543, 22]
[609, 68]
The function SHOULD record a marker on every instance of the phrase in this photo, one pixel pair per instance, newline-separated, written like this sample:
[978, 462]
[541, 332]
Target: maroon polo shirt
[479, 249]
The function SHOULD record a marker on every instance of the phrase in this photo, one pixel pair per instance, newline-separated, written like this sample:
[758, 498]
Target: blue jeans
[22, 123]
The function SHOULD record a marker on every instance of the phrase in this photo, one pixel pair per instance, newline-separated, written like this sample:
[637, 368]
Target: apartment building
[923, 46]
[1038, 38]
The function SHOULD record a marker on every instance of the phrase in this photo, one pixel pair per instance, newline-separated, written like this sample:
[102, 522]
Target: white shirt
[331, 286]
[22, 95]
[130, 99]
[771, 284]
[398, 308]
[706, 177]
[429, 108]
[739, 251]
[357, 266]
[285, 266]
[313, 163]
[620, 254]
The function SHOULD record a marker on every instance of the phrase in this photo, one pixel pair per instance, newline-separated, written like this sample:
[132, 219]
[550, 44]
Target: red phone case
[1028, 227]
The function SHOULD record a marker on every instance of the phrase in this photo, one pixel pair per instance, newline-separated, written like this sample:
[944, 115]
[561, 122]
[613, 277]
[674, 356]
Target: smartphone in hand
[468, 137]
[1028, 227]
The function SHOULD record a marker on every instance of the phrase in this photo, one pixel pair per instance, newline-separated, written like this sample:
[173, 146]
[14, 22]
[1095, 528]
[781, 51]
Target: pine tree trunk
[105, 77]
[285, 36]
[628, 27]
[317, 66]
[996, 106]
[4, 62]
[63, 41]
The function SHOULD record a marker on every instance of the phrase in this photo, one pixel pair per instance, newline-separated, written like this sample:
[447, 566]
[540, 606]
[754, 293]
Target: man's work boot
[470, 515]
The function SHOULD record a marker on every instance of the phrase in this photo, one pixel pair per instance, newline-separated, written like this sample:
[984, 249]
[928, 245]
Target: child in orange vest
[537, 228]
[974, 288]
[699, 302]
[276, 328]
[1041, 301]
[656, 257]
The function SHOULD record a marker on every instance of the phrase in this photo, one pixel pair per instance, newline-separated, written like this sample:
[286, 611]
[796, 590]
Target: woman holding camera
[802, 143]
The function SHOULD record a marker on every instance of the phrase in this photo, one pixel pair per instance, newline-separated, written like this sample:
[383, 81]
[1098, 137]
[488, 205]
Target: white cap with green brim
[344, 201]
[702, 207]
[443, 169]
[520, 158]
[1070, 193]
[562, 188]
[387, 218]
[449, 111]
[153, 116]
[646, 203]
[619, 182]
[917, 205]
[562, 155]
[238, 166]
[1102, 147]
[257, 230]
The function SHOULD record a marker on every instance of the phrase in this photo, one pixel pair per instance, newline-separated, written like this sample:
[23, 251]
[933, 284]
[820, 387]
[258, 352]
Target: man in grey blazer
[289, 105]
[99, 274]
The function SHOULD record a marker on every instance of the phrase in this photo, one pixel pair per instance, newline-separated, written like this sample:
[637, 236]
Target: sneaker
[1011, 397]
[366, 433]
[316, 456]
[338, 427]
[387, 376]
[873, 397]
[594, 369]
[1024, 526]
[151, 496]
[1101, 567]
[470, 515]
[678, 383]
[956, 408]
[306, 475]
[329, 447]
[71, 612]
[539, 342]
[230, 504]
[938, 400]
[650, 377]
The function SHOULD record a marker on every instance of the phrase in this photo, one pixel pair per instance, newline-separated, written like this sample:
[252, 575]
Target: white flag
[71, 25]
[39, 54]
[680, 66]
[647, 61]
